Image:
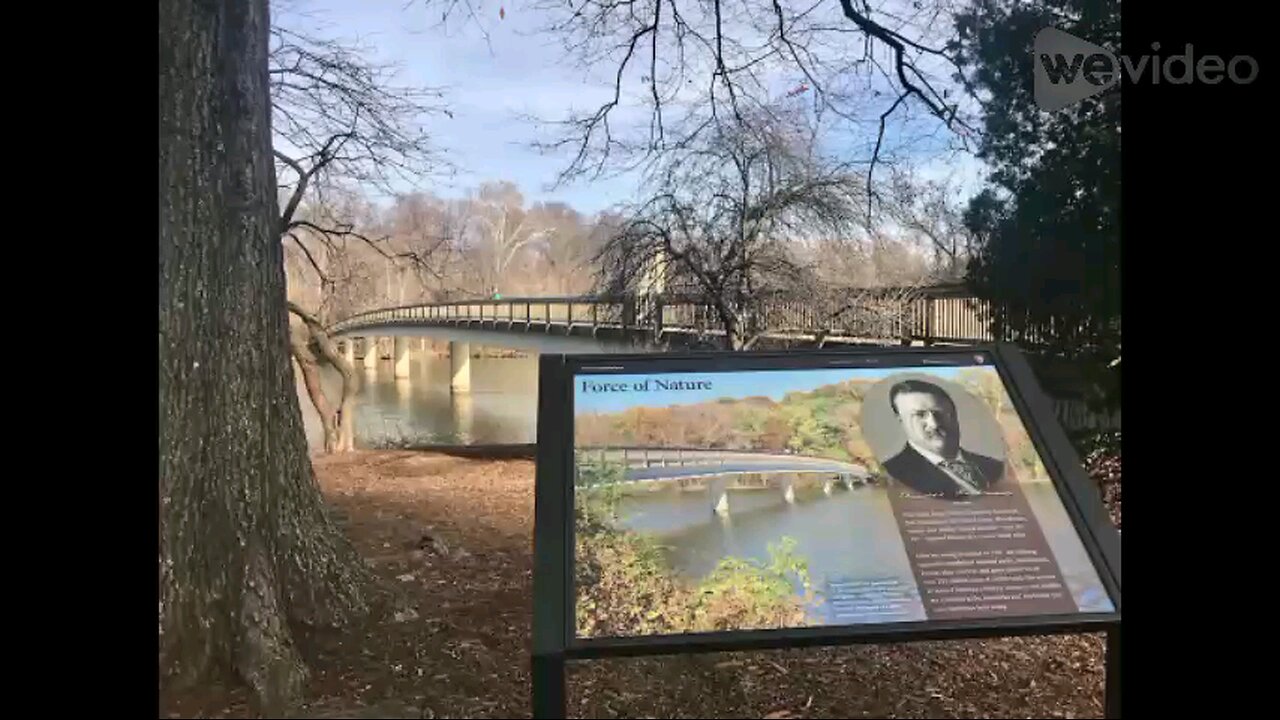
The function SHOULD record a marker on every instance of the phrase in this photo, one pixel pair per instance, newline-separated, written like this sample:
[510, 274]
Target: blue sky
[485, 89]
[487, 85]
[768, 383]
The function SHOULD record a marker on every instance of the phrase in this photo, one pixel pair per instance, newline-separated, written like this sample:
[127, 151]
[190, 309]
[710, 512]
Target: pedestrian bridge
[944, 314]
[714, 472]
[939, 315]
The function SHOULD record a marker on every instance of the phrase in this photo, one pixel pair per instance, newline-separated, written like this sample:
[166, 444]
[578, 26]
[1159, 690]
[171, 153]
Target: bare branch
[347, 231]
[875, 155]
[324, 279]
[347, 116]
[725, 220]
[710, 63]
[322, 158]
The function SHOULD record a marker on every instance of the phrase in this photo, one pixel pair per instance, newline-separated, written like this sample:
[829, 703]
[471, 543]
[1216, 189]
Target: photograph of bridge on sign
[774, 499]
[719, 471]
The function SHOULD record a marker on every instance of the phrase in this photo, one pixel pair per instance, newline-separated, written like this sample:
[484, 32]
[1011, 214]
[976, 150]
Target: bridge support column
[401, 356]
[718, 492]
[349, 351]
[789, 489]
[371, 353]
[460, 363]
[828, 486]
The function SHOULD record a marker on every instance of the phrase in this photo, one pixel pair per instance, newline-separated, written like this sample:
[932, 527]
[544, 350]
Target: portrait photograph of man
[935, 460]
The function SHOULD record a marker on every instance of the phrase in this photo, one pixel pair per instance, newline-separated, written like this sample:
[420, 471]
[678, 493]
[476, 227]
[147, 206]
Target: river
[501, 408]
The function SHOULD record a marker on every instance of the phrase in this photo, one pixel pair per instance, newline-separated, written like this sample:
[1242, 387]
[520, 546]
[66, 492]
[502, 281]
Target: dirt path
[453, 536]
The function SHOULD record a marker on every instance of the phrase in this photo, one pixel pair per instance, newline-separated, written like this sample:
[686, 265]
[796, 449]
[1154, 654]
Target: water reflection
[421, 410]
[404, 393]
[464, 413]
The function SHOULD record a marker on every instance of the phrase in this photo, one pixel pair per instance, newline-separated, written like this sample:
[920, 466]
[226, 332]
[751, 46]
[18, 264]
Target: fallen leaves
[455, 643]
[406, 615]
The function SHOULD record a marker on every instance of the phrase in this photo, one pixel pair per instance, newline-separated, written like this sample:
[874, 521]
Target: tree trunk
[247, 551]
[733, 339]
[343, 422]
[310, 369]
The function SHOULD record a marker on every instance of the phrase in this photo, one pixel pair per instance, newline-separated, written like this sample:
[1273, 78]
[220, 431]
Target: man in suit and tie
[933, 462]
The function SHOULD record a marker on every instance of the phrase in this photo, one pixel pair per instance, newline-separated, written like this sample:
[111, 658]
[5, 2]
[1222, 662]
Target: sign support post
[549, 687]
[1111, 700]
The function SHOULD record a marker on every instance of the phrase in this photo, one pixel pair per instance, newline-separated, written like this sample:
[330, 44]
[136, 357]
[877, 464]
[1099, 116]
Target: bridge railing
[581, 310]
[937, 314]
[930, 314]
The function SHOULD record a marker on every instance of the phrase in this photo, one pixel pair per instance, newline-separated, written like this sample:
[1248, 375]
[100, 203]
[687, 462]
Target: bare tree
[868, 260]
[336, 270]
[725, 218]
[565, 263]
[504, 229]
[467, 246]
[339, 119]
[432, 227]
[343, 280]
[930, 210]
[888, 68]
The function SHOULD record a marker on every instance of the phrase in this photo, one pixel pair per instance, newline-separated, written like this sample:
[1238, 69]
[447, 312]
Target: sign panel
[902, 490]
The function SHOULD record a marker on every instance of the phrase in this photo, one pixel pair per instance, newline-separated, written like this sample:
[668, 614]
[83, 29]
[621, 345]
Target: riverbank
[453, 536]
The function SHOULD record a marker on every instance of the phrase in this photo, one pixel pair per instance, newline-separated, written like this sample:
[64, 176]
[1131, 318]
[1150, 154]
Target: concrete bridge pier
[401, 356]
[371, 353]
[718, 493]
[789, 489]
[349, 351]
[460, 363]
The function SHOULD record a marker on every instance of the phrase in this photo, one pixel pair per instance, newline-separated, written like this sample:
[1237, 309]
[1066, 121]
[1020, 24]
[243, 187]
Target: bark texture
[248, 554]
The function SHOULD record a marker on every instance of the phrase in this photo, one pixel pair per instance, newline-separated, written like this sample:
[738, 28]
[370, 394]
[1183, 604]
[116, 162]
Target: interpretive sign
[764, 500]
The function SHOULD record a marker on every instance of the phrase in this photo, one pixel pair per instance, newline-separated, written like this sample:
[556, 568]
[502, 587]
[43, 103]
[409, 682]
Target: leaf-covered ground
[452, 540]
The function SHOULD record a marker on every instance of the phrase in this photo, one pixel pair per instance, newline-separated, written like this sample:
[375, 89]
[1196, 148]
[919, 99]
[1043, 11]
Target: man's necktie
[964, 471]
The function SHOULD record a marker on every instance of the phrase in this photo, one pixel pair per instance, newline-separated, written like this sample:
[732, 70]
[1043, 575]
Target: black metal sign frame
[554, 641]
